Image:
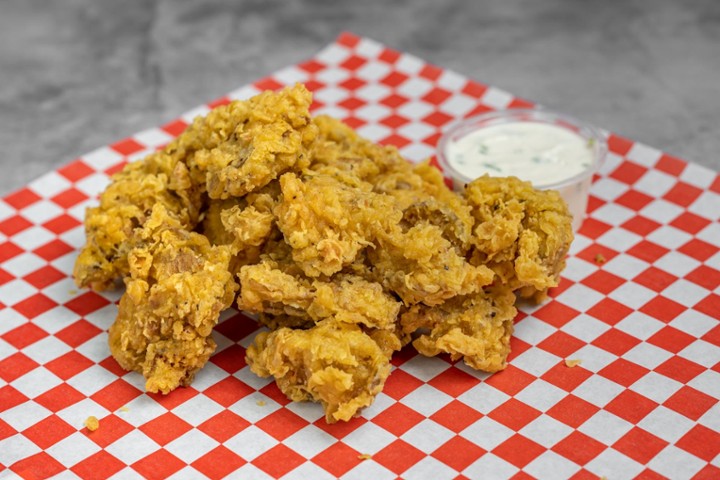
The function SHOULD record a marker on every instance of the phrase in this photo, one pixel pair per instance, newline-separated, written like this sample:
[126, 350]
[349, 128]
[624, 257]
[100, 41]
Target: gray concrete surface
[78, 74]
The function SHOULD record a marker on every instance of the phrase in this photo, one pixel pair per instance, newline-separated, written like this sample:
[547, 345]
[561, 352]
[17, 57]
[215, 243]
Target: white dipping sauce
[541, 153]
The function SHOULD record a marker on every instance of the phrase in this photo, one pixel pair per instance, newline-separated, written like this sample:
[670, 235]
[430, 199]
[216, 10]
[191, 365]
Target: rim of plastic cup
[538, 115]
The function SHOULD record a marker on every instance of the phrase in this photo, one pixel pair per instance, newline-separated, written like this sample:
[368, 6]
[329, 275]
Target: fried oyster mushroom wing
[521, 233]
[333, 363]
[124, 206]
[327, 222]
[177, 286]
[476, 328]
[255, 141]
[301, 301]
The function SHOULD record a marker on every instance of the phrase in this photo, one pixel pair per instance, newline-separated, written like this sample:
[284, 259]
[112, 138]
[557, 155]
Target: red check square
[455, 416]
[572, 411]
[640, 445]
[397, 419]
[454, 381]
[663, 309]
[159, 464]
[218, 462]
[281, 424]
[458, 453]
[623, 372]
[631, 406]
[398, 456]
[579, 448]
[278, 461]
[690, 402]
[98, 465]
[40, 465]
[223, 426]
[165, 428]
[337, 459]
[48, 432]
[514, 414]
[680, 369]
[518, 450]
[701, 442]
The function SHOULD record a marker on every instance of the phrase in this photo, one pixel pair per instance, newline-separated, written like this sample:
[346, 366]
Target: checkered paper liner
[639, 305]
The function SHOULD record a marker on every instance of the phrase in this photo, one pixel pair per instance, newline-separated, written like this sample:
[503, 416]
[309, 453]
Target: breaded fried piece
[246, 144]
[177, 287]
[327, 222]
[423, 196]
[345, 298]
[521, 233]
[476, 328]
[235, 149]
[421, 265]
[339, 148]
[124, 206]
[333, 363]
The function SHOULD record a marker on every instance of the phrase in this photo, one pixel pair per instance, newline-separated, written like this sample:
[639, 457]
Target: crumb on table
[572, 362]
[92, 423]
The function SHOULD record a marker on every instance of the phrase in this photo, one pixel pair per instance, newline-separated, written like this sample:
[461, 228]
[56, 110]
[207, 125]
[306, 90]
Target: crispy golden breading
[344, 250]
[246, 144]
[521, 233]
[237, 148]
[344, 153]
[333, 363]
[345, 298]
[124, 206]
[177, 287]
[328, 222]
[476, 328]
[420, 265]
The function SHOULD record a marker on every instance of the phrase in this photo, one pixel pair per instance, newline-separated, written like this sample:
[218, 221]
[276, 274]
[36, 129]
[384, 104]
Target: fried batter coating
[476, 328]
[421, 265]
[126, 205]
[343, 249]
[333, 363]
[346, 154]
[345, 298]
[327, 222]
[423, 196]
[177, 287]
[246, 144]
[235, 149]
[521, 233]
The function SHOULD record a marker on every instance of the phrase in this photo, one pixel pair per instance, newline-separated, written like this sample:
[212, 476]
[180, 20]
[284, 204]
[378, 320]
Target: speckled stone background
[78, 74]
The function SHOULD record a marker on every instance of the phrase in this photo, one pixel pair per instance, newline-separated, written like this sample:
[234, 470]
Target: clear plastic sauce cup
[548, 149]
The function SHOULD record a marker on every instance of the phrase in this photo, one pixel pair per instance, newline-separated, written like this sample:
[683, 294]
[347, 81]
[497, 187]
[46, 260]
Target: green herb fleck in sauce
[492, 167]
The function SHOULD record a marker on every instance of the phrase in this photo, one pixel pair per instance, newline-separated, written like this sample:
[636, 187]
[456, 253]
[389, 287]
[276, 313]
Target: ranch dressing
[541, 153]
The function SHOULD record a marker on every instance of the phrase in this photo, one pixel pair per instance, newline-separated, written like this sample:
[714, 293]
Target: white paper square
[666, 424]
[546, 431]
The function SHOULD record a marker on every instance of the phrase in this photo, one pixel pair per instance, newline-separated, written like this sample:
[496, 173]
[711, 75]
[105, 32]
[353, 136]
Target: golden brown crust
[522, 234]
[177, 287]
[333, 363]
[344, 250]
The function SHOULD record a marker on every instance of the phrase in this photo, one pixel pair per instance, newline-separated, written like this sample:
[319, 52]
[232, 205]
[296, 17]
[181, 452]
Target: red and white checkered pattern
[644, 322]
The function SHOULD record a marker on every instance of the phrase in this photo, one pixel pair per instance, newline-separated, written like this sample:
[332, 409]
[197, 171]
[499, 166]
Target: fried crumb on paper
[364, 456]
[599, 258]
[260, 403]
[124, 409]
[92, 423]
[572, 362]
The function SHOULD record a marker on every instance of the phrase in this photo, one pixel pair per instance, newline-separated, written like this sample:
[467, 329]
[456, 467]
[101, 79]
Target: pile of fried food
[344, 250]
